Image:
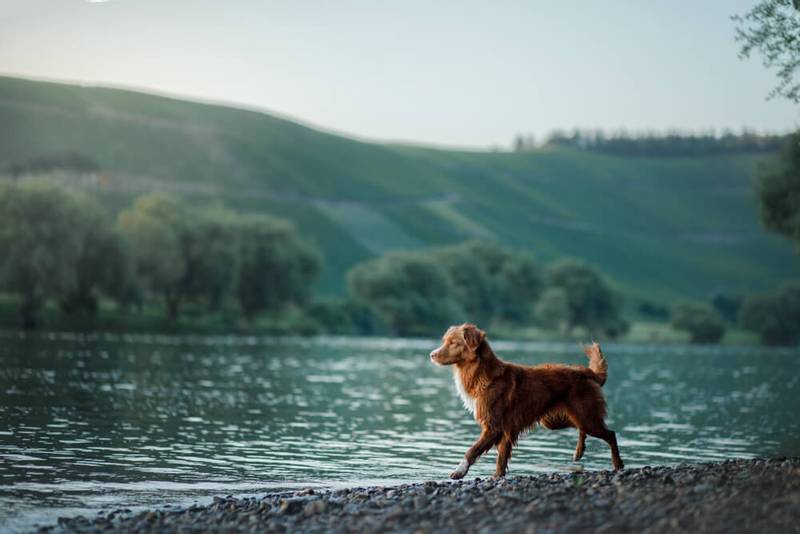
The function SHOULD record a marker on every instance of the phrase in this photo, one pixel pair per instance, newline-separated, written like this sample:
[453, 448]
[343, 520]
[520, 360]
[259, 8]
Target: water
[99, 422]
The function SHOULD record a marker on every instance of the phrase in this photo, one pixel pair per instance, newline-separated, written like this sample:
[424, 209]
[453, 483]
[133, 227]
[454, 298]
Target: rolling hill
[660, 228]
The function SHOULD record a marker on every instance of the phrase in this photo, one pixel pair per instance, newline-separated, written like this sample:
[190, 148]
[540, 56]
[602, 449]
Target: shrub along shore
[163, 265]
[731, 496]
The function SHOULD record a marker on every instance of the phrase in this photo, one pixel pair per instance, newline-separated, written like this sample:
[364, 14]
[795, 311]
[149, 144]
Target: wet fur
[509, 399]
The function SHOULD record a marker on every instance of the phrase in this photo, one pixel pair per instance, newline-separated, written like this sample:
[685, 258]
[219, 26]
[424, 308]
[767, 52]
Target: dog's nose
[433, 353]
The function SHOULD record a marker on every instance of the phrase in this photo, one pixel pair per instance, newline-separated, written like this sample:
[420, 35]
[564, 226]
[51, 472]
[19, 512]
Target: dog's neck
[476, 373]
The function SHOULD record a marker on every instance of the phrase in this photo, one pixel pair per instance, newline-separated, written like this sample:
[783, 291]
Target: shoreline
[731, 496]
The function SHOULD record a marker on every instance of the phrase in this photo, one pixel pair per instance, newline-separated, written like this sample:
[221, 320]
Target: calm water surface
[99, 422]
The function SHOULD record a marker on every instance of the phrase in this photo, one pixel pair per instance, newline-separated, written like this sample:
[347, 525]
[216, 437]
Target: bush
[55, 246]
[408, 291]
[276, 268]
[775, 317]
[703, 323]
[727, 306]
[552, 310]
[592, 303]
[492, 282]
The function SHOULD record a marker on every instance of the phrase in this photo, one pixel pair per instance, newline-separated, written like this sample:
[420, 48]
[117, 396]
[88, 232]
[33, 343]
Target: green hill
[661, 228]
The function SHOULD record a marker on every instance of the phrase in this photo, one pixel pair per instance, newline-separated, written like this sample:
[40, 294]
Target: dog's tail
[597, 362]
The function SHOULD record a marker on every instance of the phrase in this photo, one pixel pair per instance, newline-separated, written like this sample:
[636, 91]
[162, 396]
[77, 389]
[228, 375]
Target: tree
[592, 303]
[552, 309]
[39, 244]
[276, 268]
[773, 28]
[727, 306]
[519, 283]
[472, 285]
[703, 323]
[211, 253]
[778, 189]
[155, 229]
[490, 281]
[104, 266]
[774, 316]
[410, 292]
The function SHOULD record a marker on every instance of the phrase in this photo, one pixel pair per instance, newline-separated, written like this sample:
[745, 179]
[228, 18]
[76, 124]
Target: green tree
[39, 244]
[472, 285]
[410, 292]
[519, 283]
[775, 316]
[702, 322]
[778, 189]
[155, 228]
[104, 265]
[727, 306]
[211, 252]
[276, 268]
[490, 281]
[773, 28]
[552, 309]
[593, 305]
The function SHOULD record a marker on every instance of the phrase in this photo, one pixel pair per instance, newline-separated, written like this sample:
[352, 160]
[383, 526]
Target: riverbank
[732, 496]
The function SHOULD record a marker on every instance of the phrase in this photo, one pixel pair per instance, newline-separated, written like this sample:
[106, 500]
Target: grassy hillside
[661, 228]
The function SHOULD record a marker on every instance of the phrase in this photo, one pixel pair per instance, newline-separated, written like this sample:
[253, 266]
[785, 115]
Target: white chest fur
[466, 398]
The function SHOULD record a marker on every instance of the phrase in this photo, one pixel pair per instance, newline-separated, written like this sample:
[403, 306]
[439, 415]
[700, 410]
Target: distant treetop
[673, 143]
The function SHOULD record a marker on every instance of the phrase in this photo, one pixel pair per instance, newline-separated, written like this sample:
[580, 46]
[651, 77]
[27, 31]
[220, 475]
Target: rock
[315, 507]
[290, 506]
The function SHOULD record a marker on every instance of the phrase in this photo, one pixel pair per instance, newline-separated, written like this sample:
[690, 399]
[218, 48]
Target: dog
[507, 399]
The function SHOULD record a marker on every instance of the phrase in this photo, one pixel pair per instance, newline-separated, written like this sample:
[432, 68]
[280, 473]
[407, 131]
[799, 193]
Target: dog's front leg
[483, 444]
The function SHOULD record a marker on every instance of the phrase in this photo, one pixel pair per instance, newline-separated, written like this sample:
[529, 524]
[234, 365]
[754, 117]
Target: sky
[467, 74]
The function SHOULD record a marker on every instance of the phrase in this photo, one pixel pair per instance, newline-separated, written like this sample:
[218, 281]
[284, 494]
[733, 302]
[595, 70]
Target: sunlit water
[90, 423]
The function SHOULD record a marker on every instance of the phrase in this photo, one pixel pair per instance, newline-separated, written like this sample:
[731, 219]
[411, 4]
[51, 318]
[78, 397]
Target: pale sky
[451, 73]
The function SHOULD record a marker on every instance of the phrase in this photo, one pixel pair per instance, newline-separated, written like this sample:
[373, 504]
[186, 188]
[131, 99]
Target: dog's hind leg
[503, 455]
[598, 429]
[580, 447]
[485, 442]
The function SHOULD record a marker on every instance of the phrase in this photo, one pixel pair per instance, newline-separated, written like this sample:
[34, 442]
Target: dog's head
[459, 344]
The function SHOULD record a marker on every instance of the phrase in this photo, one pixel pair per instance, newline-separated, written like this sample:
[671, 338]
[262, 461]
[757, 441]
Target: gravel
[732, 496]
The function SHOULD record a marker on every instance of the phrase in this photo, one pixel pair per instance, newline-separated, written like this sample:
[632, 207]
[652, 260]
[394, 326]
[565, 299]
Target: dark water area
[99, 422]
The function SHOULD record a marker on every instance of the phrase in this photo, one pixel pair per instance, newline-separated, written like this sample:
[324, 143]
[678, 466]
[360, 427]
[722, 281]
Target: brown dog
[508, 399]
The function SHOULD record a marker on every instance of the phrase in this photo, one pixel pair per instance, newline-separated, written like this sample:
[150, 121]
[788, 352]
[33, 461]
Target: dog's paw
[458, 474]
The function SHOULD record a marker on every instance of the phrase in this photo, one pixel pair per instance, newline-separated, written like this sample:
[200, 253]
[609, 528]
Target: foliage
[276, 268]
[212, 256]
[772, 27]
[157, 229]
[592, 303]
[702, 322]
[104, 267]
[410, 292]
[653, 310]
[727, 306]
[552, 309]
[778, 189]
[669, 144]
[774, 316]
[491, 281]
[40, 247]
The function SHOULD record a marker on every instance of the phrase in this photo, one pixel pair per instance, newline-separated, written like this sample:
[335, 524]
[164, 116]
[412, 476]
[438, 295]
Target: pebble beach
[731, 496]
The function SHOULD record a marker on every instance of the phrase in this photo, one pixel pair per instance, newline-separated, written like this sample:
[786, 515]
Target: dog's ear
[473, 336]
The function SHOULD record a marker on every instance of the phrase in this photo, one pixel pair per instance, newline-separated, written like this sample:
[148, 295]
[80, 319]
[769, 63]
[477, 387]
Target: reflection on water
[108, 421]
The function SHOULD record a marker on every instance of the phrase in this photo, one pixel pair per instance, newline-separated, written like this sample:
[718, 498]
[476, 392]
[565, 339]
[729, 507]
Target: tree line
[772, 315]
[415, 293]
[62, 247]
[674, 143]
